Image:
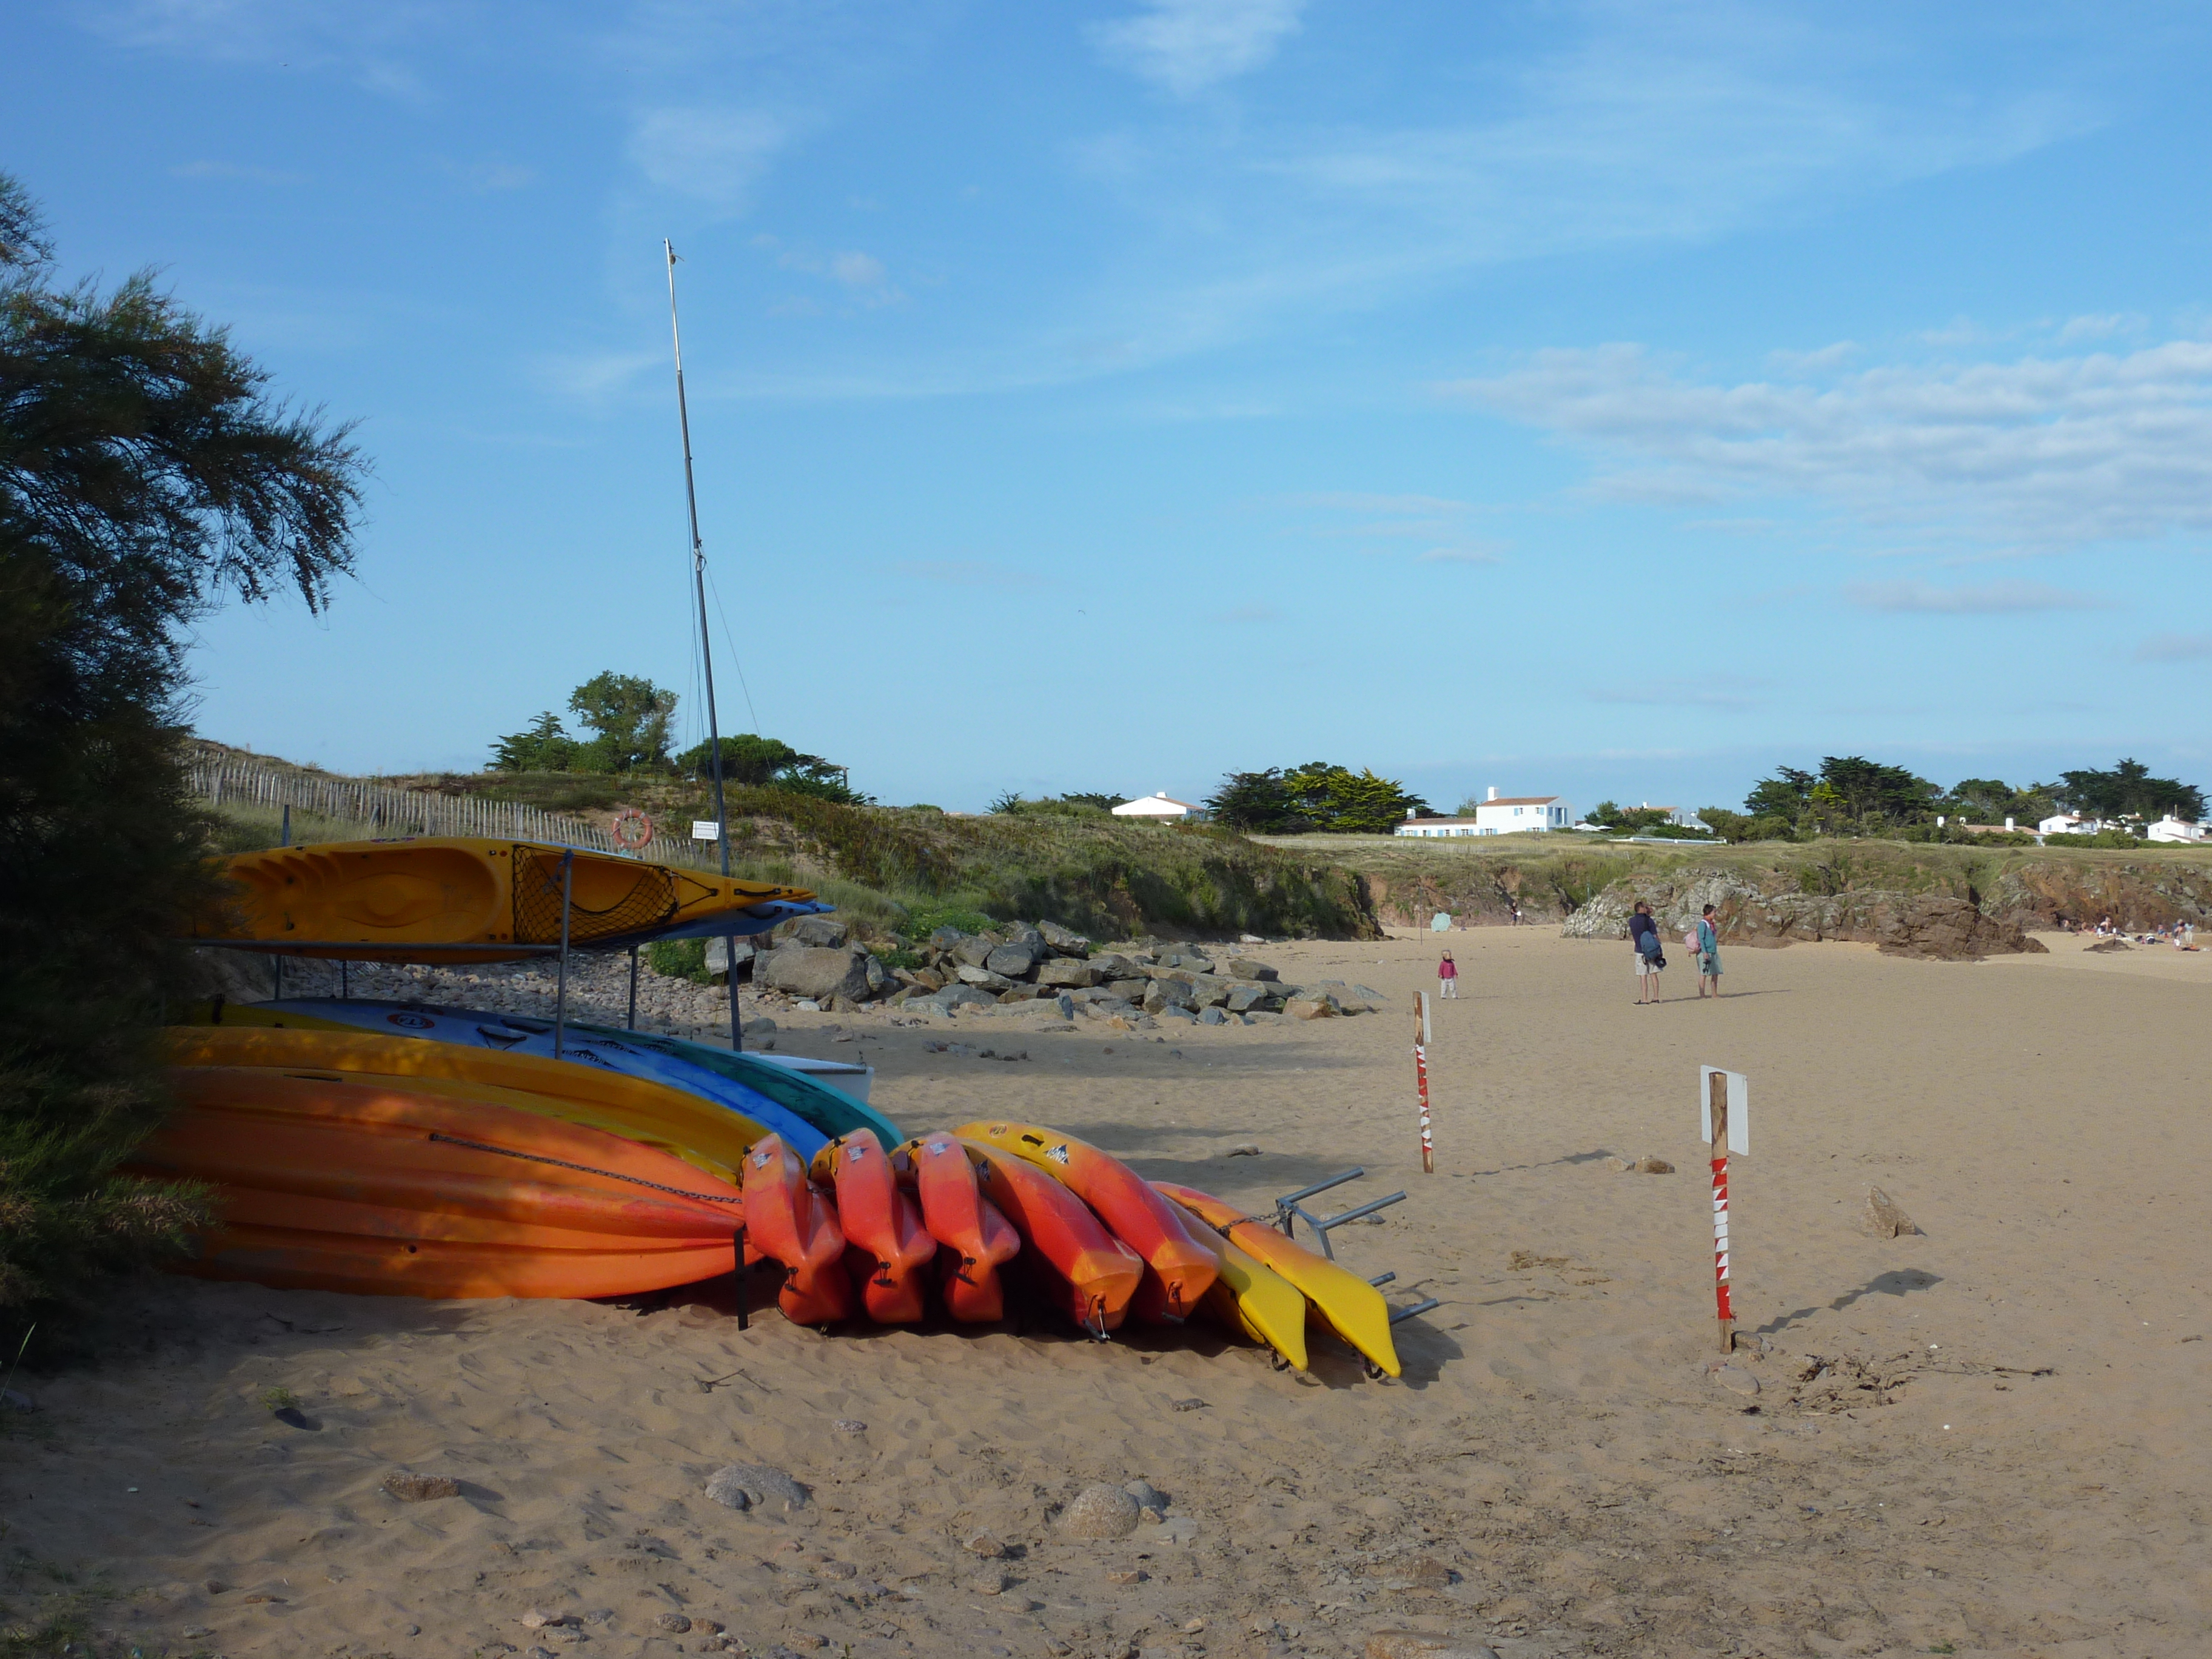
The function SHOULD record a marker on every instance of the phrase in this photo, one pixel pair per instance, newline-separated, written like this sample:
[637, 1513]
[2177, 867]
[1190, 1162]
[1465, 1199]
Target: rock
[15, 1401]
[983, 979]
[538, 1618]
[1166, 993]
[1243, 999]
[1883, 1218]
[964, 996]
[973, 949]
[1100, 1512]
[1245, 1149]
[1735, 1379]
[718, 955]
[1012, 961]
[1129, 990]
[1066, 1006]
[1647, 1166]
[411, 1488]
[1418, 1644]
[1114, 965]
[1127, 1575]
[1181, 1015]
[1069, 971]
[946, 938]
[1211, 992]
[757, 1486]
[826, 932]
[1305, 1008]
[1149, 1497]
[988, 1584]
[760, 1027]
[1950, 930]
[1245, 968]
[880, 979]
[1430, 1573]
[1187, 1405]
[1212, 1017]
[985, 1544]
[674, 1623]
[1063, 943]
[2109, 946]
[807, 970]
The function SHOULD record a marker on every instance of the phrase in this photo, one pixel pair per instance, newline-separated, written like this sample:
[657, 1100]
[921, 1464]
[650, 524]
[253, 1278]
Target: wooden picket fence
[390, 813]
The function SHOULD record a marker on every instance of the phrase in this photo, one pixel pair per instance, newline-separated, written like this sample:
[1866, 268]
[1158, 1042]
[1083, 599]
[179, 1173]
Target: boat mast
[705, 651]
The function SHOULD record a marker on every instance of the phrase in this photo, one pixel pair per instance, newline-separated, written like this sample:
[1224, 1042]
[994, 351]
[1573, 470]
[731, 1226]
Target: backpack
[1648, 945]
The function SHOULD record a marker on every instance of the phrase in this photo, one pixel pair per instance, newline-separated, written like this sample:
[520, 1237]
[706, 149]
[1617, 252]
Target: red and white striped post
[1717, 1096]
[1421, 1076]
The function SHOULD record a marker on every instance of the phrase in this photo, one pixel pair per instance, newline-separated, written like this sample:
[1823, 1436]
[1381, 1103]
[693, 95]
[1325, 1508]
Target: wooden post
[1716, 1094]
[1421, 1076]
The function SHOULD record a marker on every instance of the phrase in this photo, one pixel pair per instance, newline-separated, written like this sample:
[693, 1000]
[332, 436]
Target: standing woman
[1650, 956]
[1709, 953]
[1448, 978]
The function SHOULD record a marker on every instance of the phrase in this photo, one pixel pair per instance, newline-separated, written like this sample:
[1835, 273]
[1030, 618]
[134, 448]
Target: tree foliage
[2129, 791]
[1319, 796]
[145, 475]
[756, 762]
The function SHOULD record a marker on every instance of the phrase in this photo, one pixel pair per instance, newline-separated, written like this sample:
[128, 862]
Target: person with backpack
[1709, 953]
[1448, 978]
[1650, 952]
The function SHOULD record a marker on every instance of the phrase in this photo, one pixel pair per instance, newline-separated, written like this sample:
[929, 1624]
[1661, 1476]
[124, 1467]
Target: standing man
[1651, 957]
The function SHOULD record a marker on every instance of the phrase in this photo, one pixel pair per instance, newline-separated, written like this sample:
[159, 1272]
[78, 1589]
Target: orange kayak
[1345, 1302]
[366, 1186]
[1094, 1273]
[1184, 1268]
[974, 1237]
[787, 1221]
[888, 1246]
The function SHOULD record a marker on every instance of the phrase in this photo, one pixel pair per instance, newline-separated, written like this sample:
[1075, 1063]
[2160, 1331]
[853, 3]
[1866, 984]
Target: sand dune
[1987, 1437]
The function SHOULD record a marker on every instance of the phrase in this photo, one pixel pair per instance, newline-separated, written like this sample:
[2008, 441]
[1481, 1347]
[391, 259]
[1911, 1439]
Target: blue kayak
[807, 1115]
[796, 1090]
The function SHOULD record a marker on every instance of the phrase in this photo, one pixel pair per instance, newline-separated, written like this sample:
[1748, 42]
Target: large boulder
[973, 948]
[1131, 988]
[881, 980]
[1243, 999]
[824, 931]
[718, 955]
[1072, 972]
[944, 938]
[810, 970]
[1064, 943]
[1014, 961]
[984, 980]
[1245, 968]
[1162, 993]
[1210, 991]
[961, 996]
[1114, 965]
[1950, 930]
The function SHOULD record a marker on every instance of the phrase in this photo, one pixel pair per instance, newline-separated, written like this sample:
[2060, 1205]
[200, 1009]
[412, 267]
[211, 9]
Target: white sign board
[706, 829]
[1739, 1108]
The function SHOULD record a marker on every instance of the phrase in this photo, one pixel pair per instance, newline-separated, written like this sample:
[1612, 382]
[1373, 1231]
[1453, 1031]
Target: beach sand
[2026, 1471]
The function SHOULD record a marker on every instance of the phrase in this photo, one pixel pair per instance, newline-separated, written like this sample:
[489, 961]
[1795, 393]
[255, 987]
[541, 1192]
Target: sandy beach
[1985, 1438]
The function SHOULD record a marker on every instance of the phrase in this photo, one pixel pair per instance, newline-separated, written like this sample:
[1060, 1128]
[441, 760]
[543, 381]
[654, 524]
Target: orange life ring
[632, 829]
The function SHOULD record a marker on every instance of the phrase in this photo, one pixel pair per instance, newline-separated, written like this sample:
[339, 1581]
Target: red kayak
[1185, 1269]
[787, 1221]
[1094, 1273]
[975, 1238]
[888, 1246]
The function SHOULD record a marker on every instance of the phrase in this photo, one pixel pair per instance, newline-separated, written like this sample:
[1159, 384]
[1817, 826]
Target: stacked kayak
[466, 899]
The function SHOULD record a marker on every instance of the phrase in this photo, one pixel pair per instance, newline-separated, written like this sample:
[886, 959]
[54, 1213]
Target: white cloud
[1811, 362]
[2039, 452]
[2099, 328]
[590, 374]
[1186, 46]
[1992, 599]
[716, 154]
[2174, 647]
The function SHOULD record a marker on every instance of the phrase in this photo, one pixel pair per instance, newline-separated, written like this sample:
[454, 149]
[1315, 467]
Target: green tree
[630, 718]
[757, 763]
[1339, 802]
[544, 746]
[1258, 803]
[146, 473]
[2129, 791]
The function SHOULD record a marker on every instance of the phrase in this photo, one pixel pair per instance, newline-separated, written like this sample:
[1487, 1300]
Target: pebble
[756, 1486]
[1148, 1496]
[1187, 1405]
[1735, 1379]
[984, 1544]
[1245, 1150]
[849, 1426]
[1100, 1512]
[538, 1618]
[1884, 1218]
[988, 1584]
[194, 1632]
[674, 1623]
[1648, 1165]
[411, 1488]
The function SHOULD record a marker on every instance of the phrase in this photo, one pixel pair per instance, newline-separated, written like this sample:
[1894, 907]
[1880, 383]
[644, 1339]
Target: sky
[1610, 400]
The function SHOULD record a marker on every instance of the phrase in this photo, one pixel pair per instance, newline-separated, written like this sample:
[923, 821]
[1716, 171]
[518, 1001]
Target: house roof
[1520, 800]
[1188, 806]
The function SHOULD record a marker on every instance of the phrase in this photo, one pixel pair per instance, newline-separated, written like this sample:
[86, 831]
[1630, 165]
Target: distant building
[2065, 824]
[1161, 806]
[1498, 816]
[2170, 827]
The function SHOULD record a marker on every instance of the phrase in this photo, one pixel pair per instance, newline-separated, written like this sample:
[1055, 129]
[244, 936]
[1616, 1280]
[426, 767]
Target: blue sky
[1617, 400]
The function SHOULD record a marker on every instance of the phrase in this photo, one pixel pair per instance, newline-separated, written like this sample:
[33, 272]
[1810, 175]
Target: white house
[1161, 806]
[2170, 827]
[1497, 816]
[2066, 823]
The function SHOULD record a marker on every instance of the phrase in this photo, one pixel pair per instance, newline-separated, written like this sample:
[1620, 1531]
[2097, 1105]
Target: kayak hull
[1091, 1275]
[891, 1250]
[789, 1222]
[975, 1240]
[368, 1186]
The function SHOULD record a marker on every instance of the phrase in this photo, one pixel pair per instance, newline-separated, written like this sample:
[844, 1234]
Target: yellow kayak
[707, 1136]
[468, 899]
[1250, 1296]
[1347, 1304]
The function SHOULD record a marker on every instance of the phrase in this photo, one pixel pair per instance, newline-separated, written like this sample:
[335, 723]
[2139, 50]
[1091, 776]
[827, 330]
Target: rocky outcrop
[1932, 926]
[816, 971]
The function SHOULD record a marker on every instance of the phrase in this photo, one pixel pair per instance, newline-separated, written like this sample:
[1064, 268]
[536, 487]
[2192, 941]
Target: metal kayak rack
[1290, 1210]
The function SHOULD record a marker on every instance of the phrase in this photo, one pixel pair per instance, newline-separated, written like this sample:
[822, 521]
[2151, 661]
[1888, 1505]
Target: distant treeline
[1851, 795]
